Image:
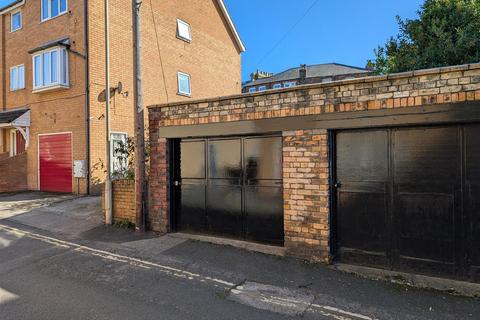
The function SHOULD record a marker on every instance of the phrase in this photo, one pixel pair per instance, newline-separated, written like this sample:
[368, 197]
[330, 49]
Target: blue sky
[343, 31]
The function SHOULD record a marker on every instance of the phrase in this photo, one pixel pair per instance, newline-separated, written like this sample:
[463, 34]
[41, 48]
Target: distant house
[319, 73]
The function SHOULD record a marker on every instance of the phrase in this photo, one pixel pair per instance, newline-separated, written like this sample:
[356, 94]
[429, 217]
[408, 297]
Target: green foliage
[125, 151]
[446, 33]
[124, 224]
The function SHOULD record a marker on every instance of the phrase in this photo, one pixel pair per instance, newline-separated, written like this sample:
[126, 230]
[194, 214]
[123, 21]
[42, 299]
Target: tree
[447, 32]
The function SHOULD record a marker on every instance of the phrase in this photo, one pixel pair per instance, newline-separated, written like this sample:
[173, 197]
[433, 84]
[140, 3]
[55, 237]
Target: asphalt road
[106, 273]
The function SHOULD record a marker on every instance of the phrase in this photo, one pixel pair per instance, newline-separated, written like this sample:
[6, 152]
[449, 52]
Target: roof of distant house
[313, 71]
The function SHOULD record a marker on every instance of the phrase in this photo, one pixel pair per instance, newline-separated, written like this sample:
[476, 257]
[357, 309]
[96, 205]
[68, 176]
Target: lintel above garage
[441, 113]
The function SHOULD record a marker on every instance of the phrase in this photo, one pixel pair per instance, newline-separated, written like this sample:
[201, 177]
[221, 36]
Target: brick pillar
[159, 202]
[306, 194]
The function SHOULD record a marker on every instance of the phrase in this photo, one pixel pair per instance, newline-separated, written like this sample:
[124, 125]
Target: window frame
[60, 13]
[277, 86]
[289, 84]
[179, 36]
[262, 88]
[179, 92]
[19, 11]
[112, 150]
[252, 89]
[17, 67]
[59, 69]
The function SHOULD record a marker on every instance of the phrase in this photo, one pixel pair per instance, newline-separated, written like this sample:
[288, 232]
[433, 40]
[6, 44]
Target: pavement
[57, 261]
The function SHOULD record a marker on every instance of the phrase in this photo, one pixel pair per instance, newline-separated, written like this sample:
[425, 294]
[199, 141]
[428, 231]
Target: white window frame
[277, 86]
[289, 84]
[112, 151]
[186, 24]
[11, 20]
[188, 94]
[18, 87]
[54, 85]
[252, 89]
[60, 13]
[262, 88]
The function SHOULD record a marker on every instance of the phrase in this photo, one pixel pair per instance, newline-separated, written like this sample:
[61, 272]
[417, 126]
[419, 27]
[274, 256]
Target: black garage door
[409, 199]
[230, 187]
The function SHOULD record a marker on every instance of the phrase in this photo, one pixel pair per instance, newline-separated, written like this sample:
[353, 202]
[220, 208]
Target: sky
[342, 31]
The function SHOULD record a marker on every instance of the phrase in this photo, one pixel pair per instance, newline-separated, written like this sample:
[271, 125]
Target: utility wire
[288, 32]
[159, 51]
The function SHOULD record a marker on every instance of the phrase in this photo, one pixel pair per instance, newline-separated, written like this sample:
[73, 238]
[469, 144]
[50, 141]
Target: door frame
[173, 145]
[38, 153]
[464, 243]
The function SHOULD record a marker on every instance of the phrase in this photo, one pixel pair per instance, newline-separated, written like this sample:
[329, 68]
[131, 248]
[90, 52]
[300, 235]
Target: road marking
[6, 296]
[283, 301]
[179, 273]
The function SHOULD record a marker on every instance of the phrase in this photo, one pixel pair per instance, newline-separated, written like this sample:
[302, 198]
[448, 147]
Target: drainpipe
[108, 181]
[140, 186]
[4, 79]
[87, 98]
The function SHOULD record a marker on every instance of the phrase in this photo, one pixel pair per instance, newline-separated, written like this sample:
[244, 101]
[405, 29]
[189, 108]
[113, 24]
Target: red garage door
[55, 161]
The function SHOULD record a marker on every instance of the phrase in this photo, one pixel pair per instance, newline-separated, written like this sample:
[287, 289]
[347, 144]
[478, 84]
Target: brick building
[378, 171]
[305, 74]
[53, 75]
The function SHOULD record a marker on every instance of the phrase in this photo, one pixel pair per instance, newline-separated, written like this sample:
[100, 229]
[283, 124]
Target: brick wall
[211, 58]
[305, 192]
[306, 168]
[123, 200]
[409, 89]
[159, 203]
[14, 173]
[51, 111]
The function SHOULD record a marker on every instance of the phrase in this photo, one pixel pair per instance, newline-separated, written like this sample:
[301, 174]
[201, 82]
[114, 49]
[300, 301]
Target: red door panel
[55, 161]
[20, 143]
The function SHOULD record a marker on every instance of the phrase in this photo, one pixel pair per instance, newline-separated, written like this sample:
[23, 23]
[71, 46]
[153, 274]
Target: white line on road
[324, 310]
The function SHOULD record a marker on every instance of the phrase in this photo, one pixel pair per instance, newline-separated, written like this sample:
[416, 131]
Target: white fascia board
[238, 40]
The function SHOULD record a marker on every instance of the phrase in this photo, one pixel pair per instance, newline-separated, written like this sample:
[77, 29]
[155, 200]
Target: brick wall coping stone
[368, 79]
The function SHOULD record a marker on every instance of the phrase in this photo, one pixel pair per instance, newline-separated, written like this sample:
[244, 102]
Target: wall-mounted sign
[79, 169]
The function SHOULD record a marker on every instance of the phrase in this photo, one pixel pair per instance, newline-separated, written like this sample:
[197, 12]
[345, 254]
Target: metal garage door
[230, 187]
[55, 162]
[408, 199]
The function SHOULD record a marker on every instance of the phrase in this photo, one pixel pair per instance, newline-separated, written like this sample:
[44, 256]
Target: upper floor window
[17, 77]
[184, 32]
[262, 88]
[289, 84]
[277, 86]
[16, 21]
[184, 86]
[50, 69]
[252, 89]
[53, 8]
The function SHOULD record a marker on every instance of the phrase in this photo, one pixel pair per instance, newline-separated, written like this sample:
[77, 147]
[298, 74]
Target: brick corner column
[158, 183]
[306, 194]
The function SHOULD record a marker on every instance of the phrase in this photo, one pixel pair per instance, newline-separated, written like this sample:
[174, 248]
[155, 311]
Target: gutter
[4, 66]
[87, 98]
[12, 6]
